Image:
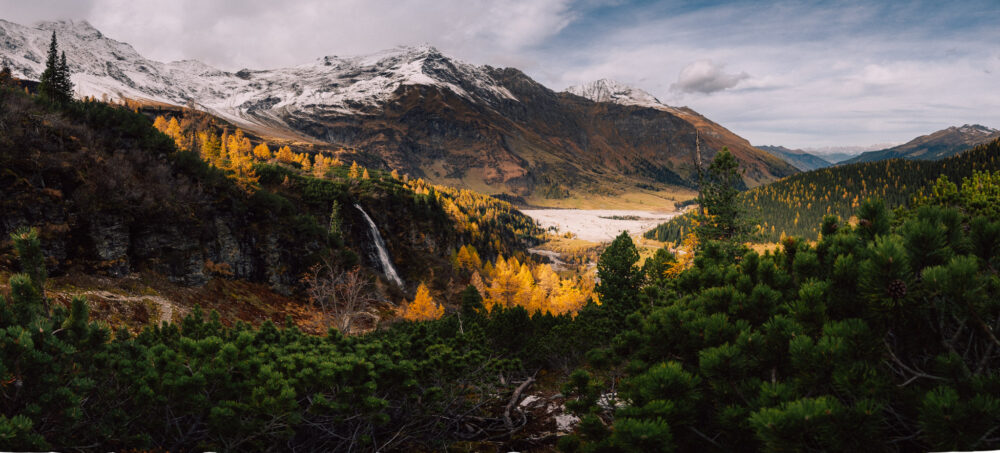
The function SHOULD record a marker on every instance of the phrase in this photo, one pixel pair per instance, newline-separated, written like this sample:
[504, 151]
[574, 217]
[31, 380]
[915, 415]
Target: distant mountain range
[797, 157]
[935, 146]
[416, 110]
[796, 206]
[938, 145]
[841, 153]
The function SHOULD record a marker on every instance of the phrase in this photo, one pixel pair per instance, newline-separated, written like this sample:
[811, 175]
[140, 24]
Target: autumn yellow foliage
[261, 151]
[423, 307]
[468, 258]
[685, 256]
[537, 289]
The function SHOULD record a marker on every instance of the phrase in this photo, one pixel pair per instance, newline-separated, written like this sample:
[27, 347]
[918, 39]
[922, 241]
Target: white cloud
[843, 72]
[265, 34]
[820, 77]
[706, 76]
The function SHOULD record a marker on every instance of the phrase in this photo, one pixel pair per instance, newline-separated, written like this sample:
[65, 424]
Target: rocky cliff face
[491, 129]
[187, 240]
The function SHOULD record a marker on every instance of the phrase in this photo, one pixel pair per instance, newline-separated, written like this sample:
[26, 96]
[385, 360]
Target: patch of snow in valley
[598, 225]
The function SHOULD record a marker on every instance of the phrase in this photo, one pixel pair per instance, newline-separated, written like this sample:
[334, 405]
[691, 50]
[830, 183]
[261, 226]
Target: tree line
[796, 205]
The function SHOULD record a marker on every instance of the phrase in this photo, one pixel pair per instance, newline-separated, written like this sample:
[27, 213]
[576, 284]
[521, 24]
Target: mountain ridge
[934, 146]
[494, 130]
[800, 159]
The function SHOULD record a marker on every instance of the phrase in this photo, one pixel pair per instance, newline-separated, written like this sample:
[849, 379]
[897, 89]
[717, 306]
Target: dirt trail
[557, 263]
[166, 307]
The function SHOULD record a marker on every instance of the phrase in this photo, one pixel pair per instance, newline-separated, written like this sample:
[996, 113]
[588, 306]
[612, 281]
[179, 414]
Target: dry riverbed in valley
[599, 225]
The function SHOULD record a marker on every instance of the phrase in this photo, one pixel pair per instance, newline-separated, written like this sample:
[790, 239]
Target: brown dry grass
[140, 300]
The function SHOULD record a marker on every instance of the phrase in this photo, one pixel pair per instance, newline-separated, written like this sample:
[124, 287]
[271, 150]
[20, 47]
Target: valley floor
[598, 225]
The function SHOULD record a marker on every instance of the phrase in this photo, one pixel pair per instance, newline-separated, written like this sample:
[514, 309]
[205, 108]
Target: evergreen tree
[723, 218]
[6, 79]
[335, 220]
[619, 275]
[472, 304]
[29, 251]
[48, 81]
[65, 82]
[55, 83]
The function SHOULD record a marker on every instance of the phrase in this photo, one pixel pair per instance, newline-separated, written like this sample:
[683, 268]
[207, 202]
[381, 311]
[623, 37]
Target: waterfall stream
[383, 254]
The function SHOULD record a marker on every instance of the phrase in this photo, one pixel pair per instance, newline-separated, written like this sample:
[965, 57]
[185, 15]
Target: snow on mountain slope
[606, 90]
[712, 133]
[419, 112]
[103, 67]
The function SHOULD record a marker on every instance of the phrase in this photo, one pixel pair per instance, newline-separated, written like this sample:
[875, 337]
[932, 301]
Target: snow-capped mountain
[976, 129]
[103, 67]
[711, 133]
[417, 111]
[606, 90]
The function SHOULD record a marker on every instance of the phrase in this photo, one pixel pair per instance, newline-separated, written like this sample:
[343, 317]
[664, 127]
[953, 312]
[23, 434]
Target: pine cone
[896, 289]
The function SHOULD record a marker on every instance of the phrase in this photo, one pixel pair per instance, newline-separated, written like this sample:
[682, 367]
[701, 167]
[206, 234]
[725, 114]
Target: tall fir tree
[723, 218]
[619, 276]
[6, 78]
[65, 83]
[54, 82]
[48, 81]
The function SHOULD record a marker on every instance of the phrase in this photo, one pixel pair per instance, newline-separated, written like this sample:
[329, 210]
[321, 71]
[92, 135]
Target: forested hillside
[880, 337]
[198, 385]
[113, 197]
[938, 145]
[795, 205]
[201, 214]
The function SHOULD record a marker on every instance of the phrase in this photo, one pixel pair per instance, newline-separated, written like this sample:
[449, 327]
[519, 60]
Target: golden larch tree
[320, 167]
[468, 258]
[262, 152]
[160, 123]
[422, 308]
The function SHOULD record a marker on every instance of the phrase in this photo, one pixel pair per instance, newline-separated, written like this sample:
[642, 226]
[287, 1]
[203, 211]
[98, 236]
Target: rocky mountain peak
[607, 90]
[78, 28]
[976, 129]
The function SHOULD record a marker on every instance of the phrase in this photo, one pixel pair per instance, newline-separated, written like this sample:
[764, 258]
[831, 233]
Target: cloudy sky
[794, 73]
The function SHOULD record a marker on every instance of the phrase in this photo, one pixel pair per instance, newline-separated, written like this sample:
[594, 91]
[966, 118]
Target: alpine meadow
[333, 226]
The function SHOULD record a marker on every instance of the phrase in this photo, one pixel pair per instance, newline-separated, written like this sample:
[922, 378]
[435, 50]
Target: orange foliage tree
[422, 308]
[537, 288]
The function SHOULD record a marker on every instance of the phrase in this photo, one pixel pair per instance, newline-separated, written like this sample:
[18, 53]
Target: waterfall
[383, 254]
